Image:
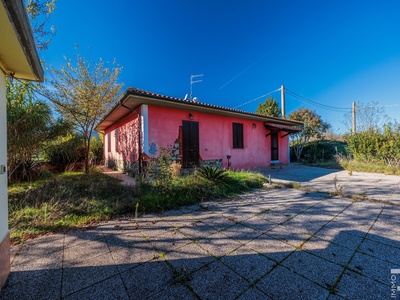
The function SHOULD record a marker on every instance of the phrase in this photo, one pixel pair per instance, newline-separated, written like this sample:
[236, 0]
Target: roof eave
[19, 21]
[213, 108]
[134, 98]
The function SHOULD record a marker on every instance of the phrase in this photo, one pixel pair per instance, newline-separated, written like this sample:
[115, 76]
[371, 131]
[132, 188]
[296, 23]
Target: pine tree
[269, 108]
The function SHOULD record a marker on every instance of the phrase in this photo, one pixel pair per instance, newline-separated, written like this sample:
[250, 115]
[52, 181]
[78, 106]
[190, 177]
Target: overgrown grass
[193, 189]
[67, 200]
[74, 199]
[372, 167]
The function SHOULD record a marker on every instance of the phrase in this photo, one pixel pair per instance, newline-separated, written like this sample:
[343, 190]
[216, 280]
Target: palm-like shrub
[212, 173]
[30, 126]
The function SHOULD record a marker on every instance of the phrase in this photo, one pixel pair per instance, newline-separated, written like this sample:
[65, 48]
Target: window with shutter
[237, 130]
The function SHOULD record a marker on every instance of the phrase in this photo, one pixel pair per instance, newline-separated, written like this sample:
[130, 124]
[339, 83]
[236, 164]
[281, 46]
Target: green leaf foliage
[39, 12]
[212, 173]
[374, 145]
[269, 108]
[97, 149]
[82, 92]
[29, 127]
[64, 150]
[313, 127]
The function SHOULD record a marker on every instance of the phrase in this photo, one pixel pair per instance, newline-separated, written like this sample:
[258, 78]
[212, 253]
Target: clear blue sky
[332, 52]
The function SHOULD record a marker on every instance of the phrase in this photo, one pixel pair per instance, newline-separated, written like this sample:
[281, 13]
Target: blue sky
[332, 52]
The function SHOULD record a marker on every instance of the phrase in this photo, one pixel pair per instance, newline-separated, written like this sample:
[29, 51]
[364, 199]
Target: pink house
[141, 122]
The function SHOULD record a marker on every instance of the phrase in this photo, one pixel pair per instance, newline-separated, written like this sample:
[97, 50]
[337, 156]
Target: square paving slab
[268, 244]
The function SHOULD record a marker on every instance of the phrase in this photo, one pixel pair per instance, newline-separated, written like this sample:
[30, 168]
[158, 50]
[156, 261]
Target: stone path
[124, 178]
[269, 244]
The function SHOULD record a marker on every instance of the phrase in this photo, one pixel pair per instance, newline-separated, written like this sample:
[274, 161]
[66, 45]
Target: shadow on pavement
[295, 248]
[296, 172]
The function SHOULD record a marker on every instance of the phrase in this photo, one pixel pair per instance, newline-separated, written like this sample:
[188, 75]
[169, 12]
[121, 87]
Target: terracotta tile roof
[139, 92]
[115, 113]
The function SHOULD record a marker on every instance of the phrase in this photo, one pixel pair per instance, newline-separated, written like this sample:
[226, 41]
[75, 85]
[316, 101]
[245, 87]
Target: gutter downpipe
[139, 134]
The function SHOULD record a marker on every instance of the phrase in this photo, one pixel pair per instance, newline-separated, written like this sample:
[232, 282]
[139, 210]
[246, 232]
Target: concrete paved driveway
[373, 186]
[269, 244]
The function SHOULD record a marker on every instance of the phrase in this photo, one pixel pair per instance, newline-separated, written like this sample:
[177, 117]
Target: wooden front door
[274, 146]
[190, 138]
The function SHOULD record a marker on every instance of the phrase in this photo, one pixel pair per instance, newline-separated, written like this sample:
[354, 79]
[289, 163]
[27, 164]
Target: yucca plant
[212, 173]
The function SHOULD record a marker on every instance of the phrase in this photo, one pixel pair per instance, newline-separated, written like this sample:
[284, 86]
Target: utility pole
[283, 101]
[194, 81]
[353, 118]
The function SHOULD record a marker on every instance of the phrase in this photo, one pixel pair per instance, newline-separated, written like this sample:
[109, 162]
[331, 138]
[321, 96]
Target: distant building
[143, 122]
[18, 59]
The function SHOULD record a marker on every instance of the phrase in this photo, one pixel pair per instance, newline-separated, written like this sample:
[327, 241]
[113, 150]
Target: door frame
[275, 138]
[189, 161]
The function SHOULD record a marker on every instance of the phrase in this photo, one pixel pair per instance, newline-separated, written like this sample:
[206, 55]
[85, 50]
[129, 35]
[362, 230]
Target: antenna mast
[194, 81]
[283, 105]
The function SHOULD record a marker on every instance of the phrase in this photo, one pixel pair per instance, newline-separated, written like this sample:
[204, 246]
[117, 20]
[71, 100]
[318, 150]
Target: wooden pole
[283, 100]
[353, 118]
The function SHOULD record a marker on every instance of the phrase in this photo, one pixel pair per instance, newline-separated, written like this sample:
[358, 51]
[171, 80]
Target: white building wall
[3, 160]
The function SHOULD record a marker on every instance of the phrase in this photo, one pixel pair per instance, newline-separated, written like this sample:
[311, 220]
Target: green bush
[64, 151]
[321, 150]
[29, 127]
[162, 171]
[373, 150]
[376, 146]
[97, 150]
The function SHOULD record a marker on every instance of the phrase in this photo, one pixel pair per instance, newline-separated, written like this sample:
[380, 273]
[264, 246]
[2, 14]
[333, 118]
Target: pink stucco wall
[283, 148]
[216, 141]
[124, 145]
[215, 137]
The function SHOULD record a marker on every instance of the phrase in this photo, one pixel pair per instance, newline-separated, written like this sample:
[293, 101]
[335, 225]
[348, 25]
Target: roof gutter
[17, 14]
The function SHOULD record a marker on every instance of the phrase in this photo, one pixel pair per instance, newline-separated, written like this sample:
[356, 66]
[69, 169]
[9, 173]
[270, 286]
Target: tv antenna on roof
[194, 81]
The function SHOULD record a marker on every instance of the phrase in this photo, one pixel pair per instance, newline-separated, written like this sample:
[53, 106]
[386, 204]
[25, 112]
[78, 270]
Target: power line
[306, 100]
[301, 99]
[255, 99]
[309, 101]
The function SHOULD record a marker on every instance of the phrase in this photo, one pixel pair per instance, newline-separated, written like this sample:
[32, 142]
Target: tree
[83, 92]
[313, 127]
[39, 12]
[269, 108]
[29, 126]
[370, 116]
